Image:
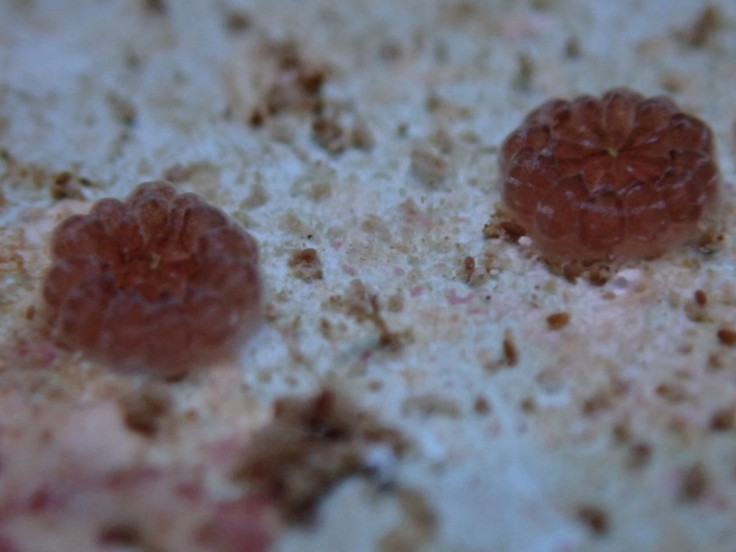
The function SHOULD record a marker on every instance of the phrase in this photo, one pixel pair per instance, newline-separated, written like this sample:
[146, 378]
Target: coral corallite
[161, 281]
[617, 176]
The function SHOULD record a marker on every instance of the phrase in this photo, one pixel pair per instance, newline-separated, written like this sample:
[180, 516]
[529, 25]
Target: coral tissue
[161, 281]
[617, 176]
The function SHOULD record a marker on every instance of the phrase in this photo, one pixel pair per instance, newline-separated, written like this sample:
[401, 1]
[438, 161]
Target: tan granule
[694, 484]
[306, 265]
[510, 351]
[418, 527]
[142, 409]
[558, 320]
[594, 518]
[723, 419]
[481, 406]
[727, 336]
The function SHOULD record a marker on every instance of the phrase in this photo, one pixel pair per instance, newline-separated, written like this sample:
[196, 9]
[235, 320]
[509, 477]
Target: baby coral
[162, 281]
[618, 176]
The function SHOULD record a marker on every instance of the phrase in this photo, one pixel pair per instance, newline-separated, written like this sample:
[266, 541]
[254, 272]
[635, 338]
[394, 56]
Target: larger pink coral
[161, 280]
[617, 176]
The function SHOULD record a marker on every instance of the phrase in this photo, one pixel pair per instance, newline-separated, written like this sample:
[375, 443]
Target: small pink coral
[162, 280]
[621, 175]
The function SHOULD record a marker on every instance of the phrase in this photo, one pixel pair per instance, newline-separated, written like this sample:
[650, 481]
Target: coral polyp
[160, 281]
[617, 176]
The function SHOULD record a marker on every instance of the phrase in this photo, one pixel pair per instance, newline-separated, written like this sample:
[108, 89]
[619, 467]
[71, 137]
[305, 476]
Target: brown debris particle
[481, 405]
[142, 409]
[156, 7]
[333, 130]
[621, 432]
[256, 119]
[306, 265]
[671, 392]
[524, 73]
[237, 22]
[510, 351]
[123, 110]
[596, 273]
[727, 336]
[558, 320]
[364, 306]
[594, 518]
[329, 134]
[387, 339]
[694, 483]
[296, 85]
[599, 402]
[715, 362]
[528, 405]
[429, 168]
[723, 419]
[700, 297]
[506, 230]
[639, 455]
[468, 268]
[311, 445]
[573, 49]
[325, 328]
[708, 22]
[513, 230]
[67, 186]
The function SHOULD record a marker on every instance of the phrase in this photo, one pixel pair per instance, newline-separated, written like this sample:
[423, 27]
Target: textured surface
[358, 142]
[619, 175]
[161, 281]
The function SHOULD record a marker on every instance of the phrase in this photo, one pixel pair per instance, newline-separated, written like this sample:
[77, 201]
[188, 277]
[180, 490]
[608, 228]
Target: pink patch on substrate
[237, 526]
[454, 299]
[88, 488]
[6, 545]
[31, 348]
[349, 270]
[416, 291]
[223, 453]
[399, 272]
[162, 509]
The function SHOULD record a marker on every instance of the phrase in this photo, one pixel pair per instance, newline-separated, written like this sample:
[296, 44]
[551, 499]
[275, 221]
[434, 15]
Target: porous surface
[620, 175]
[161, 281]
[358, 142]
